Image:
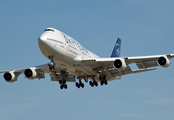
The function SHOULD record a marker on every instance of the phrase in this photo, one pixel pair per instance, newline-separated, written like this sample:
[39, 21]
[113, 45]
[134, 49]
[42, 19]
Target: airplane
[71, 62]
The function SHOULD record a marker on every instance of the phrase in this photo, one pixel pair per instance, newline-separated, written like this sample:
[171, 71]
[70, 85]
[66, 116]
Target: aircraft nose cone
[43, 40]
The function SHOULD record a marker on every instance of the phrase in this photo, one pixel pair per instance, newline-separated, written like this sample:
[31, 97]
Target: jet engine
[163, 61]
[120, 64]
[10, 77]
[30, 73]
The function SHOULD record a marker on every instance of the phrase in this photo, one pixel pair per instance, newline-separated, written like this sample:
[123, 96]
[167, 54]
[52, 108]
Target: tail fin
[116, 50]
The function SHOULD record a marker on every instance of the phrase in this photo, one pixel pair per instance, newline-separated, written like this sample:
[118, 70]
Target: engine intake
[30, 73]
[163, 61]
[120, 64]
[10, 77]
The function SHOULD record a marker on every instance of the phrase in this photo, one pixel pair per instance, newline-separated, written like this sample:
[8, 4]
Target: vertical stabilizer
[116, 50]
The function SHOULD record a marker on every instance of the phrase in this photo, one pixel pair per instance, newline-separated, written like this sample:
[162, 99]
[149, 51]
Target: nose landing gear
[52, 65]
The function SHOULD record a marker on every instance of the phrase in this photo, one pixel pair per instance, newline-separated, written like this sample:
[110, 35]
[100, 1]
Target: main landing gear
[93, 83]
[79, 84]
[103, 80]
[63, 84]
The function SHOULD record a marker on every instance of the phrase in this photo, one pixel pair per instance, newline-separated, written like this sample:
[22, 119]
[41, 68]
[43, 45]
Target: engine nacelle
[10, 77]
[30, 73]
[120, 64]
[163, 61]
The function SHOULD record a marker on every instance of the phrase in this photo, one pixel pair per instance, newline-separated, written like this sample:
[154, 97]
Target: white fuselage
[65, 51]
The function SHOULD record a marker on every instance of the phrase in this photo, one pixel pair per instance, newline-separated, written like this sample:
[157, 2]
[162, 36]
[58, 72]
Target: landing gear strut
[52, 63]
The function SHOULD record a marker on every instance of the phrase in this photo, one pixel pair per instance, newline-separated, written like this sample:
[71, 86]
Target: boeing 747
[71, 62]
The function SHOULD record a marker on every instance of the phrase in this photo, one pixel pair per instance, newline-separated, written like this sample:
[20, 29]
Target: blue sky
[145, 27]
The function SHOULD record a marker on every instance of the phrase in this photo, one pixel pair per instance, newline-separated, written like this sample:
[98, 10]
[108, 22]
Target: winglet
[116, 50]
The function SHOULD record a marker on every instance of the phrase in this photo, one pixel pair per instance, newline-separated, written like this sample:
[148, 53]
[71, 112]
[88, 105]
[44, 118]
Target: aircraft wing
[43, 67]
[106, 62]
[115, 66]
[35, 72]
[120, 65]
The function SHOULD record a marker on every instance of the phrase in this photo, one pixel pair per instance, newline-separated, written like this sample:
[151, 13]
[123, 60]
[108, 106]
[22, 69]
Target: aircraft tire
[60, 82]
[100, 78]
[61, 86]
[101, 82]
[82, 85]
[104, 77]
[77, 84]
[106, 82]
[65, 86]
[96, 84]
[90, 83]
[50, 67]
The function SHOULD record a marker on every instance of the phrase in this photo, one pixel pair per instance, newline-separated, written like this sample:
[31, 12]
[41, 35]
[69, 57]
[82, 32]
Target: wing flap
[139, 71]
[57, 77]
[126, 72]
[115, 72]
[145, 65]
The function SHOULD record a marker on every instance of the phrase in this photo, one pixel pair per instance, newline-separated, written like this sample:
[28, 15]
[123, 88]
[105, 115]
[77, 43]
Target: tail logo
[117, 51]
[117, 44]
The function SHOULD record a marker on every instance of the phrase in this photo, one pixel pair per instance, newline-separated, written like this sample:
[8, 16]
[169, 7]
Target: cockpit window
[49, 30]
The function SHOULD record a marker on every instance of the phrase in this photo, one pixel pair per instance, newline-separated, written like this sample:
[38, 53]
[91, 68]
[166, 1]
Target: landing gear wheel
[50, 67]
[82, 85]
[106, 82]
[101, 83]
[60, 81]
[77, 84]
[100, 78]
[90, 82]
[65, 86]
[53, 68]
[95, 83]
[61, 86]
[104, 77]
[92, 85]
